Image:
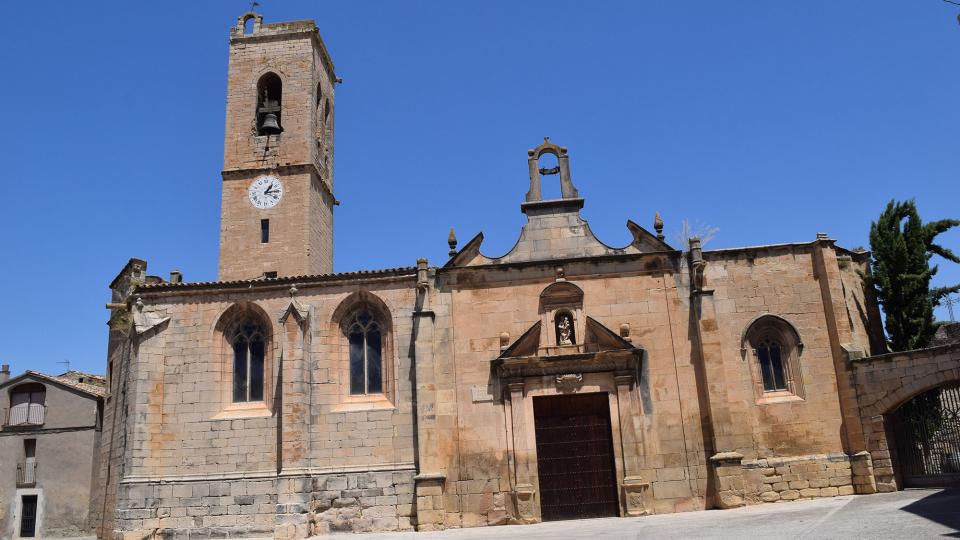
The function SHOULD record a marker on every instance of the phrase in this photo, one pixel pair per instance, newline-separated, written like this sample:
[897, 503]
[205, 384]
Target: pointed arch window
[249, 349]
[772, 369]
[365, 336]
[776, 346]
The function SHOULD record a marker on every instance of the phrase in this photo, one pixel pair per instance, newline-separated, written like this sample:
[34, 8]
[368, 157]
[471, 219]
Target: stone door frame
[621, 392]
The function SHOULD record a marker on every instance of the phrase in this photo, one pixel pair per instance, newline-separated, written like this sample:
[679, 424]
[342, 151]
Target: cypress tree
[902, 246]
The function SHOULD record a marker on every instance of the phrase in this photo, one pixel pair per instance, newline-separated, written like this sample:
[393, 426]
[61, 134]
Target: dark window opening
[269, 104]
[269, 275]
[249, 348]
[366, 349]
[29, 448]
[771, 365]
[264, 231]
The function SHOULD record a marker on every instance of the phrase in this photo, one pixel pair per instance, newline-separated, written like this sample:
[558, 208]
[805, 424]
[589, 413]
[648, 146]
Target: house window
[771, 365]
[27, 405]
[249, 347]
[366, 351]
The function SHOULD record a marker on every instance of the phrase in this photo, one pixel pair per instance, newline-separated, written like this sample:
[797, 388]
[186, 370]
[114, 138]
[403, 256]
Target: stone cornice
[553, 263]
[281, 284]
[312, 32]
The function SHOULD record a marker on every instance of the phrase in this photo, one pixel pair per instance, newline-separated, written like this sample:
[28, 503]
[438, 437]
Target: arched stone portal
[891, 387]
[926, 438]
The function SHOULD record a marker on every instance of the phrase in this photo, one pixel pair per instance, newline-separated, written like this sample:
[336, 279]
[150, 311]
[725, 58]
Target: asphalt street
[910, 514]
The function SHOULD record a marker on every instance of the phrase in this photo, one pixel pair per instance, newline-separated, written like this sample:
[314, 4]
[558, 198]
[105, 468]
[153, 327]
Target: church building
[565, 379]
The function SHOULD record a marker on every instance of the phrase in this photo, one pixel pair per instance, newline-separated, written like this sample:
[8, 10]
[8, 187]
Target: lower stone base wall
[363, 502]
[797, 477]
[192, 510]
[243, 508]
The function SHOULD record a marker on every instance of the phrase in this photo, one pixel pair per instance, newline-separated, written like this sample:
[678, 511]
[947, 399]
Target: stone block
[770, 496]
[832, 491]
[789, 495]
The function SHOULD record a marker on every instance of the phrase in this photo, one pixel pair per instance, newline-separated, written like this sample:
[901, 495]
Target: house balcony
[27, 474]
[25, 415]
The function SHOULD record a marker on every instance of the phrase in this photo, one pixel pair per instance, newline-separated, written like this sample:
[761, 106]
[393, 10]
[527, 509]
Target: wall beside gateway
[778, 281]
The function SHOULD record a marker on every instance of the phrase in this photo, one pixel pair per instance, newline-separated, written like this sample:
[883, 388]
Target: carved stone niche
[561, 316]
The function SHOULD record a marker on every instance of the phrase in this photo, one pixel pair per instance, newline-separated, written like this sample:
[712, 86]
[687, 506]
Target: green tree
[902, 246]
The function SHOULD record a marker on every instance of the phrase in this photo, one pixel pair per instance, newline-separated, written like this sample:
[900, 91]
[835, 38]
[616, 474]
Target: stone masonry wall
[797, 477]
[246, 507]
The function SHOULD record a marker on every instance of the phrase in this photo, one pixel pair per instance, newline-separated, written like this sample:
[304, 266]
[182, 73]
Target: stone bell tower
[277, 206]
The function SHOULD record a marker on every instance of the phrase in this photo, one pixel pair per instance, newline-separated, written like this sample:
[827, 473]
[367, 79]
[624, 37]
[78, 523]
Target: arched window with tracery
[772, 372]
[249, 351]
[365, 336]
[775, 347]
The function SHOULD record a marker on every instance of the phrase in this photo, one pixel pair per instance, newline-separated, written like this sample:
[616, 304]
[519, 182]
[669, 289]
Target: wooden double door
[575, 460]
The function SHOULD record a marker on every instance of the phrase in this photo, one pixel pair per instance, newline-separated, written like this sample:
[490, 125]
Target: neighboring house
[48, 443]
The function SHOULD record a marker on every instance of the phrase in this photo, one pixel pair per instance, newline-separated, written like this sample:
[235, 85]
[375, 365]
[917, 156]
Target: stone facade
[726, 374]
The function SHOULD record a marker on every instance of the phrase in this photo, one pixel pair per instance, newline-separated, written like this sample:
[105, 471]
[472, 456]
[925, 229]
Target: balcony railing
[27, 474]
[26, 414]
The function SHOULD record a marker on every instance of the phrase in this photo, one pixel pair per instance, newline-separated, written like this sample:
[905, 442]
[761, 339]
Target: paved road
[910, 515]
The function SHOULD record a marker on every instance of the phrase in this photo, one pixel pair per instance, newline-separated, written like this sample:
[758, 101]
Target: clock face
[265, 192]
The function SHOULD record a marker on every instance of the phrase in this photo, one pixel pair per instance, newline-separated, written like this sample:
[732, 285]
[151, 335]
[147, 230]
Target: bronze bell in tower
[270, 126]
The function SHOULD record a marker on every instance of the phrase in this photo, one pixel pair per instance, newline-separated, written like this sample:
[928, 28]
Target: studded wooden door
[575, 457]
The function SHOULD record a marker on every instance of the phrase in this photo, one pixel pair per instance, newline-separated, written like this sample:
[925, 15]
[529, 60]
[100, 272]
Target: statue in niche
[564, 330]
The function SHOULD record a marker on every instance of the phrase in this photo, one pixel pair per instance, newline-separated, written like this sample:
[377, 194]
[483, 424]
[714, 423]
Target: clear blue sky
[771, 120]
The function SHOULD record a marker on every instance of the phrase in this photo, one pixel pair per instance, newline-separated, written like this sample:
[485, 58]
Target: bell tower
[277, 204]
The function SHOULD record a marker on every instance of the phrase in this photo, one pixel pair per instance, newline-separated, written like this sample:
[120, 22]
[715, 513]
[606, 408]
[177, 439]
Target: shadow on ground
[942, 507]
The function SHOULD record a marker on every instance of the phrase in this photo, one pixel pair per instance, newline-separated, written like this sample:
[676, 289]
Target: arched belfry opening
[269, 101]
[561, 169]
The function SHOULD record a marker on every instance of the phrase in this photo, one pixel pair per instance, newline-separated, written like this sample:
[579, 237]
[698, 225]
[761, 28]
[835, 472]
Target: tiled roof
[92, 384]
[305, 279]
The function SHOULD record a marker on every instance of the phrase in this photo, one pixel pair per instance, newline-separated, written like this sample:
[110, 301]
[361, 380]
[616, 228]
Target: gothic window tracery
[771, 365]
[774, 346]
[365, 336]
[249, 349]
